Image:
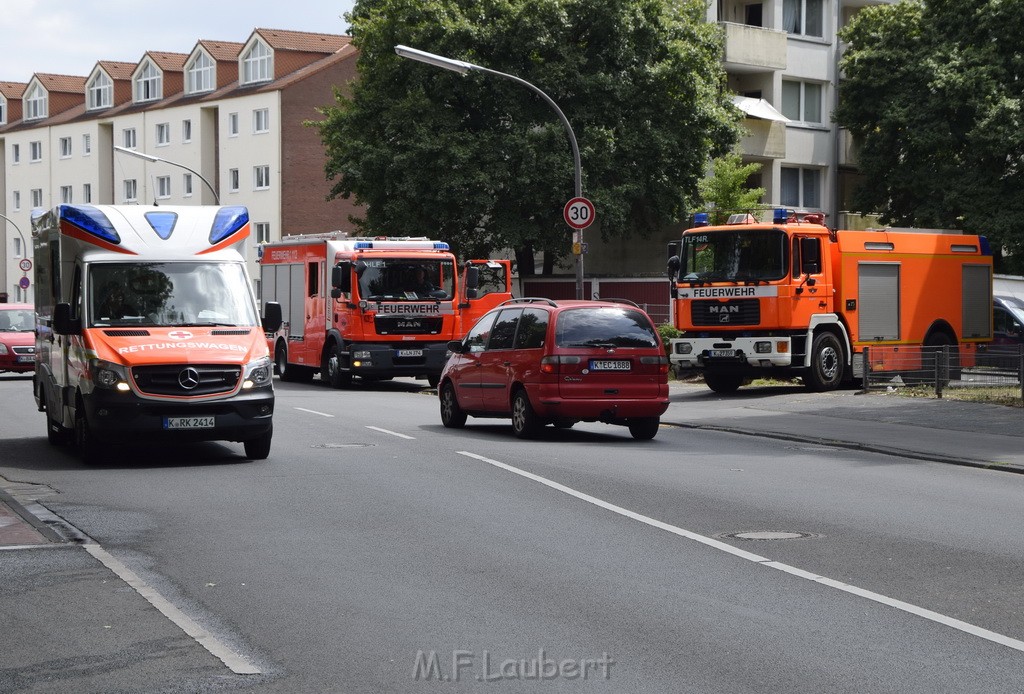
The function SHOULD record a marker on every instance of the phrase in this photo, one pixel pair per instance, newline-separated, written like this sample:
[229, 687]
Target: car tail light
[549, 365]
[662, 363]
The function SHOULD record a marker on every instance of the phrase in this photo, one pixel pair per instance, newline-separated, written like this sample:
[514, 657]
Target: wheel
[644, 429]
[286, 372]
[722, 382]
[259, 447]
[85, 441]
[525, 423]
[452, 415]
[331, 370]
[826, 372]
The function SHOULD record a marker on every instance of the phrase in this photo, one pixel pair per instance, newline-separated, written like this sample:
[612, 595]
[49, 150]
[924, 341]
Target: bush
[667, 332]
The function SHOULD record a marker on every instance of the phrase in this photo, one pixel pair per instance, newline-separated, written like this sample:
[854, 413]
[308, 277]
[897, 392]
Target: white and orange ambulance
[147, 328]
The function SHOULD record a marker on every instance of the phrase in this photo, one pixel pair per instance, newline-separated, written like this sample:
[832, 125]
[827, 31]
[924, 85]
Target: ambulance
[147, 328]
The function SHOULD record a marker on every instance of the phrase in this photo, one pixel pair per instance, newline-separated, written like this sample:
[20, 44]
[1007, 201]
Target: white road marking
[236, 663]
[393, 433]
[322, 414]
[930, 615]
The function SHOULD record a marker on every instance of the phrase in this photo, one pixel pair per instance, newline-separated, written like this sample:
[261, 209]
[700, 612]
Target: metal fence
[992, 373]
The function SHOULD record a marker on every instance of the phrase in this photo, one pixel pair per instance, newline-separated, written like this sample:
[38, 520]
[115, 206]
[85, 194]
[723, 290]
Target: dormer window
[257, 64]
[36, 103]
[199, 74]
[3, 110]
[100, 91]
[149, 83]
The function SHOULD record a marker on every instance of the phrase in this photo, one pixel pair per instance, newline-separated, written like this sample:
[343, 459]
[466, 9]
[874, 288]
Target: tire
[525, 423]
[331, 371]
[452, 415]
[259, 447]
[286, 372]
[722, 382]
[933, 345]
[827, 363]
[644, 429]
[85, 440]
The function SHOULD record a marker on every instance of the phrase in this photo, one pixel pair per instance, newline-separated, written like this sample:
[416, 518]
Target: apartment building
[230, 116]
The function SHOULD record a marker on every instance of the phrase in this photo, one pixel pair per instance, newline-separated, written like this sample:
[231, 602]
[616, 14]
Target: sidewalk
[951, 431]
[18, 527]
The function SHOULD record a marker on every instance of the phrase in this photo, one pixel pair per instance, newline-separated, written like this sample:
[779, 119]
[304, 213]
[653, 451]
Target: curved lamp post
[462, 68]
[25, 249]
[150, 157]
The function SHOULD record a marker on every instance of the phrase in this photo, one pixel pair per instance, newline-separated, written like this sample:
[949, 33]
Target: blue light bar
[780, 216]
[440, 246]
[363, 245]
[162, 223]
[986, 249]
[228, 221]
[91, 221]
[700, 219]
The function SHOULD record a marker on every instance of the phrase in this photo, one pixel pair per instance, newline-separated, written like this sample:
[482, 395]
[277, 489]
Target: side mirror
[455, 346]
[272, 317]
[673, 267]
[341, 278]
[472, 277]
[673, 249]
[63, 323]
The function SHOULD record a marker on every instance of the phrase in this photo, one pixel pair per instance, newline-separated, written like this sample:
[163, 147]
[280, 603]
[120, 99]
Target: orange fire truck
[373, 307]
[791, 297]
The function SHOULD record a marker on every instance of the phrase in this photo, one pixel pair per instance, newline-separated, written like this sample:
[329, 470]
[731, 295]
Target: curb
[48, 533]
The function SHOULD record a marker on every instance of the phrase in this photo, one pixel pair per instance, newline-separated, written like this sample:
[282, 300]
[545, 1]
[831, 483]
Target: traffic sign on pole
[25, 264]
[579, 213]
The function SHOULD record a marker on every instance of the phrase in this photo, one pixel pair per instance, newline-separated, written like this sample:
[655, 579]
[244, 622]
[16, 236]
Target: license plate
[721, 353]
[23, 360]
[609, 365]
[410, 352]
[189, 422]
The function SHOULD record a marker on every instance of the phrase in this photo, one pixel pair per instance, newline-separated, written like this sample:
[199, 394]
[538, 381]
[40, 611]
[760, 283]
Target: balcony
[848, 149]
[765, 139]
[753, 48]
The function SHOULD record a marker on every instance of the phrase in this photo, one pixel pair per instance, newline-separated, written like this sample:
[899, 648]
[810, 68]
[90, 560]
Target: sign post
[579, 214]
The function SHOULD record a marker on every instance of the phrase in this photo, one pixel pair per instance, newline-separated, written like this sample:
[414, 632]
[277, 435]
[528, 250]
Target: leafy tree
[933, 92]
[485, 163]
[725, 188]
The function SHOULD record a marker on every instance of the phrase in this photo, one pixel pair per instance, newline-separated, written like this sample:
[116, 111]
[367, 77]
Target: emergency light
[781, 216]
[162, 223]
[90, 220]
[406, 244]
[700, 219]
[228, 221]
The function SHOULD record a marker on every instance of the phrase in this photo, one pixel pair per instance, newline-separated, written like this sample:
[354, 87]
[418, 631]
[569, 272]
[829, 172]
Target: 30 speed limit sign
[579, 213]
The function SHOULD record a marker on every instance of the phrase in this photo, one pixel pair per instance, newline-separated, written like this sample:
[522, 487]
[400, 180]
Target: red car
[17, 338]
[539, 362]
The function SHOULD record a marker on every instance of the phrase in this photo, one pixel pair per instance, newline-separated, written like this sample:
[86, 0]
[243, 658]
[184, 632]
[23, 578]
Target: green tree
[725, 191]
[483, 162]
[933, 93]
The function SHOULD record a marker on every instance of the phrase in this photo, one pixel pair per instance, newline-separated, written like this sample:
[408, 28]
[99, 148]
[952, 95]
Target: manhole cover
[342, 445]
[767, 535]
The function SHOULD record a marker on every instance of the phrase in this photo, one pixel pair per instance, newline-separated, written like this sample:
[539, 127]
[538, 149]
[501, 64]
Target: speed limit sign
[579, 213]
[25, 264]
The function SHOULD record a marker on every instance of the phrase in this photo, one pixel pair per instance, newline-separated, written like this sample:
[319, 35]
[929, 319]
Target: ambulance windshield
[741, 256]
[169, 294]
[405, 279]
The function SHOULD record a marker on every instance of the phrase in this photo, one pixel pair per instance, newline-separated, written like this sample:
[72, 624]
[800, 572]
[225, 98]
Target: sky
[68, 37]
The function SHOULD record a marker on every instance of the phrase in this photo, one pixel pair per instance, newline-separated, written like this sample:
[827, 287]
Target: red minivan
[540, 361]
[17, 338]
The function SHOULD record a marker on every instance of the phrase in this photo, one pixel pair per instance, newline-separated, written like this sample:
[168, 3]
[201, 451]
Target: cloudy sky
[68, 37]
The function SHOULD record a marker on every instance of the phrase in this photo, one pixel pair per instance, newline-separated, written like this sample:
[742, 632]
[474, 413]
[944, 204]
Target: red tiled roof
[222, 50]
[61, 83]
[175, 62]
[12, 90]
[118, 70]
[306, 42]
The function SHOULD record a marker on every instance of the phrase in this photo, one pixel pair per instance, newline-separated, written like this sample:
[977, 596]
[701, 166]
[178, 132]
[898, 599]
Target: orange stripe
[229, 241]
[69, 229]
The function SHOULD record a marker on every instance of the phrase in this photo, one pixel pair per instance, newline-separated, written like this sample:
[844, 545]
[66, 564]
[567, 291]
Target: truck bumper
[387, 360]
[755, 352]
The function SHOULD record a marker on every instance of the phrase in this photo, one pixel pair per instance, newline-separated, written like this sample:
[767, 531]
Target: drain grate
[767, 535]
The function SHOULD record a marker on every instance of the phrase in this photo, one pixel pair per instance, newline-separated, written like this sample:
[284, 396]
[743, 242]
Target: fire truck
[789, 297]
[372, 307]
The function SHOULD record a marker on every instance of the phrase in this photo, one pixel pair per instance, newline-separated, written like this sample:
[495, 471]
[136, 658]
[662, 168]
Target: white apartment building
[230, 116]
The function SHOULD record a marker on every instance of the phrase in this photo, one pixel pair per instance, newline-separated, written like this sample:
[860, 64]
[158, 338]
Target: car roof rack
[529, 300]
[622, 301]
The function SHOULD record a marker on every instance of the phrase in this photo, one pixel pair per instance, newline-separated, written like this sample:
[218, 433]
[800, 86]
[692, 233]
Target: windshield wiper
[606, 345]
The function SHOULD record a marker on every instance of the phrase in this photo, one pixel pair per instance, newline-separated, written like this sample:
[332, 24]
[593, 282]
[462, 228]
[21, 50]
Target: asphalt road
[375, 551]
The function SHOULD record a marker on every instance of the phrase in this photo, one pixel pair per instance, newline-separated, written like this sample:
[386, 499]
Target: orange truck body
[346, 314]
[790, 297]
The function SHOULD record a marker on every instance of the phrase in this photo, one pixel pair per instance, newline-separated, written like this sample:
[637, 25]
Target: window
[149, 83]
[801, 101]
[261, 120]
[163, 134]
[65, 147]
[233, 180]
[186, 185]
[16, 200]
[199, 74]
[86, 145]
[804, 17]
[257, 64]
[261, 177]
[37, 197]
[163, 187]
[65, 195]
[100, 92]
[15, 154]
[131, 190]
[801, 187]
[232, 124]
[18, 250]
[128, 138]
[35, 151]
[186, 130]
[262, 232]
[36, 102]
[87, 193]
[3, 110]
[533, 326]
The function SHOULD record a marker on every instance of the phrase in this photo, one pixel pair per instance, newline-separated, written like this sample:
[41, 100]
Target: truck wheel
[525, 423]
[723, 383]
[259, 447]
[826, 372]
[331, 371]
[644, 429]
[85, 441]
[452, 415]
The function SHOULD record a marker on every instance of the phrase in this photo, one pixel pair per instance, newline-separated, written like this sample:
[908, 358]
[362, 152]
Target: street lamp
[462, 67]
[150, 157]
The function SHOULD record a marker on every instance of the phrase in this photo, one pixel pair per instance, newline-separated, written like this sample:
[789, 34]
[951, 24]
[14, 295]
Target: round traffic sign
[579, 213]
[24, 282]
[25, 264]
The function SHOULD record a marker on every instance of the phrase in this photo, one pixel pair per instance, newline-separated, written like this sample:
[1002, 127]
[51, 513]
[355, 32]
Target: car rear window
[604, 327]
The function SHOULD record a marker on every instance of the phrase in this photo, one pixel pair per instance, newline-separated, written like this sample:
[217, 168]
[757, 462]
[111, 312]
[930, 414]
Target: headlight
[361, 354]
[258, 373]
[106, 374]
[3, 349]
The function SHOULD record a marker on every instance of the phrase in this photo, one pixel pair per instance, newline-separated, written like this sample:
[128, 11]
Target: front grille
[720, 313]
[24, 350]
[408, 325]
[210, 379]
